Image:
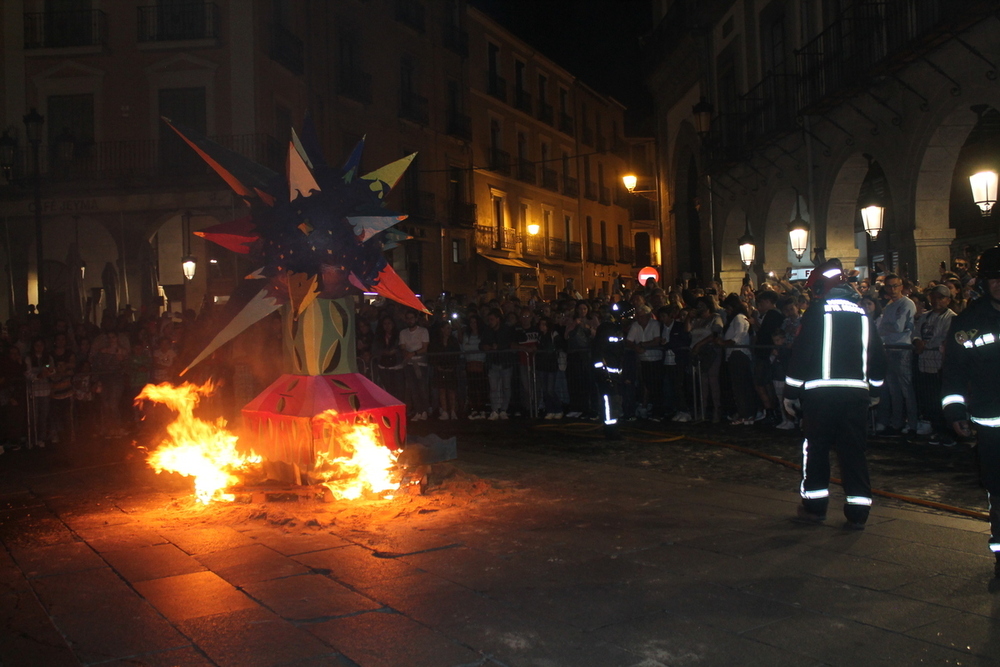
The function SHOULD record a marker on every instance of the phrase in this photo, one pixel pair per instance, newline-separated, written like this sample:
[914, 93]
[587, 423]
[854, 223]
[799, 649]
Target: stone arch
[834, 234]
[932, 233]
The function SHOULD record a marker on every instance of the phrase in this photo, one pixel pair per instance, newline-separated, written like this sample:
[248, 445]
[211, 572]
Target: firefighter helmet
[826, 276]
[989, 264]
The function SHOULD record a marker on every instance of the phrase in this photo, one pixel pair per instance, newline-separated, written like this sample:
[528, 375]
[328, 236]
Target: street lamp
[984, 190]
[871, 217]
[748, 248]
[798, 231]
[703, 117]
[33, 122]
[533, 228]
[188, 262]
[630, 180]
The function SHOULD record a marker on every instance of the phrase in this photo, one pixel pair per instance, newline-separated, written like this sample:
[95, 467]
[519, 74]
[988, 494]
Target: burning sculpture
[318, 238]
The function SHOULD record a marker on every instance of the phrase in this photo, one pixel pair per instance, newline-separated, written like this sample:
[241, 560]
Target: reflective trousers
[989, 470]
[835, 419]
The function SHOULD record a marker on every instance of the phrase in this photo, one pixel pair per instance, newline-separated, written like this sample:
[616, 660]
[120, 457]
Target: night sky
[596, 40]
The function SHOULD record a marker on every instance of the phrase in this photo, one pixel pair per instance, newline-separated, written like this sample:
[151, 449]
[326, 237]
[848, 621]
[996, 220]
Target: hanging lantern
[630, 180]
[534, 228]
[748, 247]
[798, 236]
[798, 232]
[984, 190]
[188, 264]
[871, 216]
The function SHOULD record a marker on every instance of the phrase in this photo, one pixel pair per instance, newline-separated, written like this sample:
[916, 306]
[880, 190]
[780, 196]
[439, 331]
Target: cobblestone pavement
[577, 552]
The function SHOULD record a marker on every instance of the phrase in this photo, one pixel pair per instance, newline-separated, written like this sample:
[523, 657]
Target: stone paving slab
[581, 565]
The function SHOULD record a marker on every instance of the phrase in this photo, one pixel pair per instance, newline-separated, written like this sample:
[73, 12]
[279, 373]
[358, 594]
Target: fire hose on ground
[583, 427]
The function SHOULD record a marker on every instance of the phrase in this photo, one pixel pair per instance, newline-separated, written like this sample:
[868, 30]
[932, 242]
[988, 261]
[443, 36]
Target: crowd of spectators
[693, 352]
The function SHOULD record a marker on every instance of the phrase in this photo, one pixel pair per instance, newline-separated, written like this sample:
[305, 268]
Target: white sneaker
[924, 428]
[682, 417]
[453, 415]
[503, 415]
[443, 416]
[494, 416]
[786, 425]
[473, 416]
[420, 416]
[549, 415]
[574, 415]
[557, 415]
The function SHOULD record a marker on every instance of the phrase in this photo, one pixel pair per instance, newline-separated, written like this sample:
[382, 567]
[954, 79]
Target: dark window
[456, 184]
[187, 107]
[543, 86]
[493, 53]
[590, 230]
[72, 116]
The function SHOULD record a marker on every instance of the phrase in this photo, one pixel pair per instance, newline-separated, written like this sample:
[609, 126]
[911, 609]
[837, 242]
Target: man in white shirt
[414, 340]
[643, 338]
[928, 343]
[896, 329]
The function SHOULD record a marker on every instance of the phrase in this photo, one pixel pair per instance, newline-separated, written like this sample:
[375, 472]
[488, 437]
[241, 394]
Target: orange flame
[196, 448]
[367, 467]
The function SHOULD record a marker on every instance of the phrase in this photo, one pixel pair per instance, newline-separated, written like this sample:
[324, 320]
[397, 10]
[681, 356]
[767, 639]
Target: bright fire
[196, 448]
[207, 451]
[366, 467]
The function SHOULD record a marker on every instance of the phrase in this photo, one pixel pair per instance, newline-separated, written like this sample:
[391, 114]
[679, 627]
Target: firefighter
[608, 350]
[835, 373]
[969, 388]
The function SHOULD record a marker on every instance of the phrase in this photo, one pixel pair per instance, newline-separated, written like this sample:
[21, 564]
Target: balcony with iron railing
[566, 125]
[590, 190]
[522, 100]
[545, 113]
[411, 13]
[641, 208]
[114, 163]
[574, 251]
[419, 205]
[604, 194]
[496, 86]
[500, 161]
[571, 186]
[493, 238]
[460, 125]
[455, 39]
[555, 248]
[587, 136]
[461, 214]
[526, 171]
[62, 29]
[550, 179]
[287, 49]
[598, 253]
[178, 22]
[413, 107]
[622, 197]
[534, 245]
[626, 255]
[356, 85]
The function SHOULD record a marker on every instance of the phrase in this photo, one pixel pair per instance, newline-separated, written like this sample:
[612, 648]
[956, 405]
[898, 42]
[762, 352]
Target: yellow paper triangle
[385, 178]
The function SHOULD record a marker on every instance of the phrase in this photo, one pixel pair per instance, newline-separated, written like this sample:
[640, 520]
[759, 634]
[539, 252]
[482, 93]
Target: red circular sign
[647, 273]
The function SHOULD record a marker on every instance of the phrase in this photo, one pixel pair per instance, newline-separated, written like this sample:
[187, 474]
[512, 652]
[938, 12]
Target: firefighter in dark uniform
[970, 390]
[835, 373]
[608, 349]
